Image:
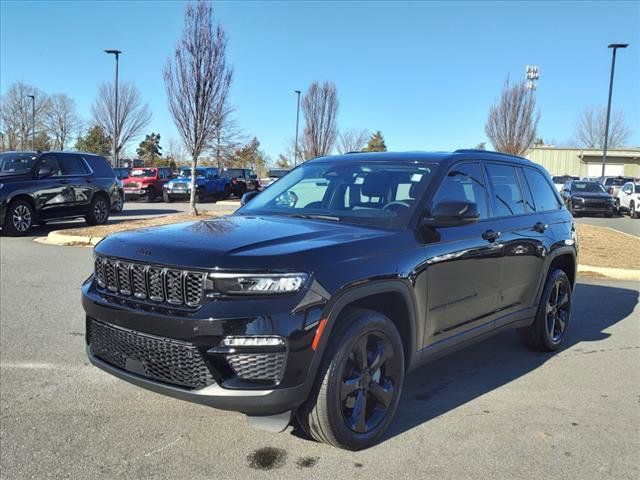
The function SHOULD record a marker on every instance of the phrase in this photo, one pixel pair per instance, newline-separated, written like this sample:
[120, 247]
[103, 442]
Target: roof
[418, 156]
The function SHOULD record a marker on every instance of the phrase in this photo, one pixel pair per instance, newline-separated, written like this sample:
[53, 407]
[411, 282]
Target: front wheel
[19, 218]
[151, 195]
[359, 383]
[167, 198]
[633, 210]
[227, 192]
[98, 211]
[548, 330]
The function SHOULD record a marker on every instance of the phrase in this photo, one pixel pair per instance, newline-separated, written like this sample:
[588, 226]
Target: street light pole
[615, 47]
[33, 121]
[295, 158]
[116, 162]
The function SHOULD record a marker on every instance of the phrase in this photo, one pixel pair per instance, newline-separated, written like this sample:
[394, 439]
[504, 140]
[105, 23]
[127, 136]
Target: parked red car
[146, 182]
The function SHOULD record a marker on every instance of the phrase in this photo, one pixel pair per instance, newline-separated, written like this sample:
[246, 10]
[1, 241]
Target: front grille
[156, 283]
[258, 366]
[162, 359]
[595, 202]
[131, 185]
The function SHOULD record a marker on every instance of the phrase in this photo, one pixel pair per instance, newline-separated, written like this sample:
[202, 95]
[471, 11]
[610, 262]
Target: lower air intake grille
[165, 360]
[258, 366]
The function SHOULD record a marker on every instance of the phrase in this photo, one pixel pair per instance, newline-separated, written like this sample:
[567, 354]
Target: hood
[247, 242]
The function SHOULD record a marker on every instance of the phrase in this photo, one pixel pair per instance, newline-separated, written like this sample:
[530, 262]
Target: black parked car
[314, 299]
[584, 197]
[37, 187]
[243, 180]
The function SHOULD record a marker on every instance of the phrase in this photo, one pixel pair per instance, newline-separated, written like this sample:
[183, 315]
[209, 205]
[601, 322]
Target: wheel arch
[22, 196]
[103, 194]
[564, 258]
[392, 298]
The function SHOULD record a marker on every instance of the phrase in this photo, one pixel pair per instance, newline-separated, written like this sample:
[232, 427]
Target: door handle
[540, 227]
[491, 235]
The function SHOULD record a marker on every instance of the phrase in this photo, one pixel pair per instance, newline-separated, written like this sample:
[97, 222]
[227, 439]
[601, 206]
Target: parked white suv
[629, 198]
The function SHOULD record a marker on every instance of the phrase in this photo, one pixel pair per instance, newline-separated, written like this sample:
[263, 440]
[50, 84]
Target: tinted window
[73, 165]
[464, 182]
[51, 161]
[12, 163]
[530, 204]
[100, 166]
[543, 193]
[590, 187]
[507, 197]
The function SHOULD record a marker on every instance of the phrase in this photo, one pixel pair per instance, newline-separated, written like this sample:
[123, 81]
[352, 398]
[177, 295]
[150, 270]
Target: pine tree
[376, 143]
[95, 141]
[149, 149]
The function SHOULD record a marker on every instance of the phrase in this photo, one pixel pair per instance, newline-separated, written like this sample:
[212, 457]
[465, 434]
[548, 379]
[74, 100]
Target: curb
[57, 238]
[232, 203]
[613, 273]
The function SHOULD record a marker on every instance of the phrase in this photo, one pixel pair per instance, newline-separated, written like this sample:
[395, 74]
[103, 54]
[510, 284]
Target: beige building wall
[581, 162]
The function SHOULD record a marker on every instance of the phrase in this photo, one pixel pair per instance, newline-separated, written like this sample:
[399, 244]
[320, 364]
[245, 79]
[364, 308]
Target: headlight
[578, 199]
[254, 284]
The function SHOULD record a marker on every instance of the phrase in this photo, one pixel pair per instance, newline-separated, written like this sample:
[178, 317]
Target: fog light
[253, 341]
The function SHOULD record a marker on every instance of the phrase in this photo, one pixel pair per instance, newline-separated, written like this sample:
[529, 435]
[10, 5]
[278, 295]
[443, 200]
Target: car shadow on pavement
[452, 381]
[130, 212]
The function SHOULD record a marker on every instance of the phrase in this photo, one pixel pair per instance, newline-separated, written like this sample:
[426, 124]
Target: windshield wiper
[315, 216]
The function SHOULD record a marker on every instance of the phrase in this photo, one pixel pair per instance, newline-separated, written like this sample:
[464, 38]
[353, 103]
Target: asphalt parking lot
[621, 223]
[494, 410]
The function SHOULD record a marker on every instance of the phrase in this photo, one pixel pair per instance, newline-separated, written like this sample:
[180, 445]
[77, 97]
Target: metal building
[586, 163]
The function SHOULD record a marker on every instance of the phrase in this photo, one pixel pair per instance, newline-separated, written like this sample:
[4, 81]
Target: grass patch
[604, 247]
[108, 229]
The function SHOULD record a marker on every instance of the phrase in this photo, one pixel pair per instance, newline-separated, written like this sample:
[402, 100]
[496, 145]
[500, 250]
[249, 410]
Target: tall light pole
[532, 75]
[33, 121]
[615, 47]
[295, 158]
[116, 162]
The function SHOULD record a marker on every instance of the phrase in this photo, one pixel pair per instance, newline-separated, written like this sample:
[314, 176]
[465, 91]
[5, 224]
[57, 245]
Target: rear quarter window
[544, 194]
[100, 166]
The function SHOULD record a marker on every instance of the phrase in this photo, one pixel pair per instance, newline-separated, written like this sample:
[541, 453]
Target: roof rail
[476, 150]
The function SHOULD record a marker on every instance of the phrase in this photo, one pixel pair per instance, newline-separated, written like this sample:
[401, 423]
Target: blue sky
[423, 73]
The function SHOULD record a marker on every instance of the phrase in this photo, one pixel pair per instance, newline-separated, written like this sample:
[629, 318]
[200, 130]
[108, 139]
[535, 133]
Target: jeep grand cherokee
[313, 300]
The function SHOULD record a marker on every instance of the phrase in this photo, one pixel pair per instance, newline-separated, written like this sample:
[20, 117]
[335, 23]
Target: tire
[200, 195]
[553, 316]
[330, 415]
[19, 218]
[98, 211]
[633, 210]
[242, 190]
[119, 205]
[608, 215]
[167, 198]
[151, 195]
[227, 192]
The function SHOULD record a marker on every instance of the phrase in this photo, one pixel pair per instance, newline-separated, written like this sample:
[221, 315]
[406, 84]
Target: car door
[463, 263]
[52, 197]
[76, 178]
[524, 232]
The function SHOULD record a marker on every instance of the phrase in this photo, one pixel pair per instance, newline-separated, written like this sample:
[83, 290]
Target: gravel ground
[492, 411]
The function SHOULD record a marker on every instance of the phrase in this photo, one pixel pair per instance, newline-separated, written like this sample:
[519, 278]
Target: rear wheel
[167, 198]
[119, 205]
[548, 330]
[98, 211]
[227, 192]
[359, 383]
[19, 218]
[200, 195]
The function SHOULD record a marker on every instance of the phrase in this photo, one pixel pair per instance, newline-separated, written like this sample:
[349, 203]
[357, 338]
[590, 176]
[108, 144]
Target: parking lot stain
[431, 392]
[307, 462]
[574, 424]
[267, 458]
[358, 465]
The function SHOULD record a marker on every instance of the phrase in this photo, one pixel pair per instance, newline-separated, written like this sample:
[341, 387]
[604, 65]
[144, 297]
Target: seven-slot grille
[166, 360]
[150, 282]
[595, 201]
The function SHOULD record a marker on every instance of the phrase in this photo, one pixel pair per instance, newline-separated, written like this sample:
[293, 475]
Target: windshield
[588, 187]
[143, 172]
[374, 193]
[234, 172]
[121, 173]
[186, 173]
[13, 163]
[637, 188]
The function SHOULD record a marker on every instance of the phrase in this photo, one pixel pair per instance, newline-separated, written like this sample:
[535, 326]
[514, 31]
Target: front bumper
[204, 329]
[582, 208]
[134, 192]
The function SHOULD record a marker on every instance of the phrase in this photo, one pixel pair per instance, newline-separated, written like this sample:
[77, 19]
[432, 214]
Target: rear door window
[73, 165]
[507, 196]
[52, 162]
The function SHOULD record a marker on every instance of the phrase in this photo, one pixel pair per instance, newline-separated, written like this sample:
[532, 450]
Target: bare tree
[227, 136]
[133, 115]
[513, 120]
[197, 80]
[16, 113]
[61, 119]
[320, 108]
[352, 140]
[591, 125]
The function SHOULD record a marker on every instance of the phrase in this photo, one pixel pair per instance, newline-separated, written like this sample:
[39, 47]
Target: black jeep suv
[314, 299]
[37, 187]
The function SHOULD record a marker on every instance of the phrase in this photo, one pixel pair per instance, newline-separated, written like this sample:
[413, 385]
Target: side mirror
[246, 197]
[44, 172]
[253, 176]
[453, 213]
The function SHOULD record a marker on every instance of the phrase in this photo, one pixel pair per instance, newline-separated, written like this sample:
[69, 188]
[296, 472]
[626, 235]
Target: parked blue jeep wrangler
[209, 183]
